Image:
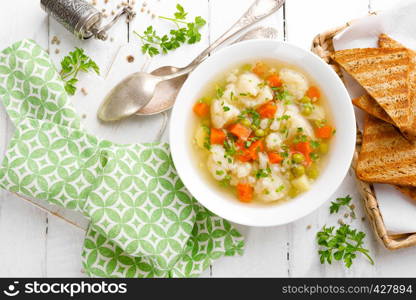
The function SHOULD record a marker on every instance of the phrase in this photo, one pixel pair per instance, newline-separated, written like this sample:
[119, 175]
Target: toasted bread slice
[385, 41]
[386, 156]
[408, 191]
[369, 105]
[383, 72]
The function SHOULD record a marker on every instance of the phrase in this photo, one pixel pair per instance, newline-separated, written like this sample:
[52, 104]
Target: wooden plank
[304, 258]
[22, 227]
[180, 57]
[266, 248]
[304, 20]
[64, 240]
[64, 246]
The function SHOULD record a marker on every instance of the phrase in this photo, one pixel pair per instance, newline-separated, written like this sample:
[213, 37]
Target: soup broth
[262, 131]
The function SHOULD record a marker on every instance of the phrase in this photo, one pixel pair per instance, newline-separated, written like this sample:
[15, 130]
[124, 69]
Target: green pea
[312, 172]
[260, 132]
[305, 99]
[298, 171]
[323, 148]
[298, 158]
[246, 122]
[306, 110]
[246, 67]
[253, 127]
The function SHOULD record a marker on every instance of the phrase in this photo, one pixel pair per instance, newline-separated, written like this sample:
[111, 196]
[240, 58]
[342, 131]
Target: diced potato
[301, 184]
[201, 135]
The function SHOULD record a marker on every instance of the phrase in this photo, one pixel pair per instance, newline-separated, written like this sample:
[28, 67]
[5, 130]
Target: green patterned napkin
[144, 223]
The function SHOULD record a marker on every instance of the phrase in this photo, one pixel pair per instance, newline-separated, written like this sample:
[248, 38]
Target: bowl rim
[183, 166]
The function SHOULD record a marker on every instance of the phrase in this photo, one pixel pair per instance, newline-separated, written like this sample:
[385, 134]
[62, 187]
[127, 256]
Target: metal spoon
[166, 92]
[137, 90]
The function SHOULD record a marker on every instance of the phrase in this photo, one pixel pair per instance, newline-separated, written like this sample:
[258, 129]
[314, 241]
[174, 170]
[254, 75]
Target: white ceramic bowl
[225, 204]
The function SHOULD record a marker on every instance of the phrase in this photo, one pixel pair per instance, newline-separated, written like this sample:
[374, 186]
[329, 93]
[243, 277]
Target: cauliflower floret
[248, 83]
[273, 141]
[292, 108]
[223, 113]
[230, 93]
[232, 77]
[297, 121]
[263, 160]
[275, 125]
[241, 169]
[271, 188]
[318, 113]
[264, 123]
[295, 82]
[217, 163]
[265, 94]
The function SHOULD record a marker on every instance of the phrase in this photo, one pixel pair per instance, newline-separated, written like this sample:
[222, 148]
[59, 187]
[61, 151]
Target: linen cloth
[143, 221]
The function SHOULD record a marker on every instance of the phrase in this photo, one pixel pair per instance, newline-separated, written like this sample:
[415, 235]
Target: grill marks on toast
[386, 156]
[383, 72]
[385, 41]
[369, 105]
[388, 74]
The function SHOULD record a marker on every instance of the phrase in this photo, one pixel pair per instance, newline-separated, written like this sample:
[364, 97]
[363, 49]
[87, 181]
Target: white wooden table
[34, 243]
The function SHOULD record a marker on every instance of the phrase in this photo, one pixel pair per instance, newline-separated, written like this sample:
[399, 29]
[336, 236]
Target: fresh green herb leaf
[281, 94]
[315, 144]
[225, 108]
[250, 141]
[226, 181]
[300, 138]
[261, 173]
[314, 156]
[180, 13]
[342, 202]
[75, 62]
[186, 32]
[207, 142]
[342, 243]
[284, 117]
[230, 149]
[320, 123]
[219, 92]
[280, 188]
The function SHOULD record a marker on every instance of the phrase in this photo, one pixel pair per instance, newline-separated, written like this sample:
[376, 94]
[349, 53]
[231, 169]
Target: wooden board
[55, 246]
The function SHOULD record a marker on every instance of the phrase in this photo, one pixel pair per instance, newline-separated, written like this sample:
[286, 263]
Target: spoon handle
[259, 10]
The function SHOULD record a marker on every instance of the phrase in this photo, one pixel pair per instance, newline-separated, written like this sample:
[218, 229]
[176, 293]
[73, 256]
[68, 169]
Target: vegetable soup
[262, 131]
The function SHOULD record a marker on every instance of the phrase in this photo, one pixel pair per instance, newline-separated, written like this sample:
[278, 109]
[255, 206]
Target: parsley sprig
[342, 202]
[75, 62]
[186, 32]
[343, 244]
